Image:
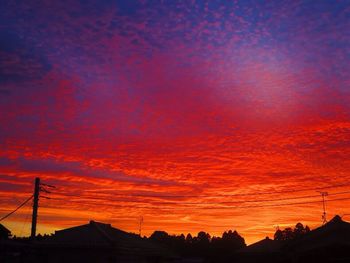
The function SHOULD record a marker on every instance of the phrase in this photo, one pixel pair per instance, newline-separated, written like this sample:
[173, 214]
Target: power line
[166, 205]
[26, 201]
[280, 199]
[285, 204]
[262, 206]
[205, 206]
[251, 201]
[228, 195]
[203, 203]
[24, 224]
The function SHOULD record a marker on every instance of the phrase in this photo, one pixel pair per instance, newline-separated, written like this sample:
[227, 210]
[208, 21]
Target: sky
[195, 115]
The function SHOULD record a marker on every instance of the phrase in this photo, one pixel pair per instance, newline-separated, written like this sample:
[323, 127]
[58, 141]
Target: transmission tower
[324, 215]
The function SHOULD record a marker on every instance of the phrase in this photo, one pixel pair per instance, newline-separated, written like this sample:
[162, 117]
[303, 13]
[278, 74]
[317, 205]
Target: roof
[335, 232]
[265, 245]
[92, 234]
[100, 235]
[4, 230]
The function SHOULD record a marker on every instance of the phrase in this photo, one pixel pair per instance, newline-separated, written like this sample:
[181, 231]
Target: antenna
[140, 226]
[324, 218]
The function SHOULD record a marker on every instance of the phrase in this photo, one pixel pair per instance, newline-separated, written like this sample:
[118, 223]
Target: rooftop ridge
[97, 225]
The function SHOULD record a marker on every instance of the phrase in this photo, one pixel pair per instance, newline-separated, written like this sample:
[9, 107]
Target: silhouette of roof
[92, 234]
[4, 231]
[100, 235]
[335, 232]
[265, 245]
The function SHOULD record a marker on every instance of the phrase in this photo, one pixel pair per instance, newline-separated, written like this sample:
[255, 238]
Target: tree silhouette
[290, 234]
[229, 242]
[278, 235]
[202, 245]
[189, 238]
[203, 237]
[160, 237]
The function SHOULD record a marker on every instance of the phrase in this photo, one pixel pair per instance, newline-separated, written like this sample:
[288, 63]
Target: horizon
[178, 234]
[185, 234]
[196, 115]
[42, 229]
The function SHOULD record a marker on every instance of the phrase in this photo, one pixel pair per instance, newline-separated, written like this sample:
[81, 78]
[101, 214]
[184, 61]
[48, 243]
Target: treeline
[290, 233]
[202, 245]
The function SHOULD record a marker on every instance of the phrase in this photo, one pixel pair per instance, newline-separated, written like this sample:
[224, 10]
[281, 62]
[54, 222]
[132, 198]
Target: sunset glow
[196, 116]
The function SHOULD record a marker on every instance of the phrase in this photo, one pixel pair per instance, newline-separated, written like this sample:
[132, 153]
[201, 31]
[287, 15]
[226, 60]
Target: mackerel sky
[192, 114]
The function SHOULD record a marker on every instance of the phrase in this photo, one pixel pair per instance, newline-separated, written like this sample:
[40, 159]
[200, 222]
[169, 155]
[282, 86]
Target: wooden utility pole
[35, 207]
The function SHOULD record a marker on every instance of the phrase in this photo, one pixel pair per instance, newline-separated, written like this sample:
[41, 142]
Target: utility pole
[35, 207]
[324, 218]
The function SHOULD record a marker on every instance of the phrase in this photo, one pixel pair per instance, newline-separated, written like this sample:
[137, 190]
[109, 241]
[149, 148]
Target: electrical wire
[26, 201]
[203, 203]
[182, 205]
[226, 195]
[24, 224]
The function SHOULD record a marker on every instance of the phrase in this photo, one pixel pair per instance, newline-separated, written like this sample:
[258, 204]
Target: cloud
[126, 106]
[74, 168]
[20, 60]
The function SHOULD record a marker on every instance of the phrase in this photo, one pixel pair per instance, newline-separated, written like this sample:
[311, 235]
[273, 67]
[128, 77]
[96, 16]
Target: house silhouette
[265, 250]
[328, 243]
[4, 232]
[99, 242]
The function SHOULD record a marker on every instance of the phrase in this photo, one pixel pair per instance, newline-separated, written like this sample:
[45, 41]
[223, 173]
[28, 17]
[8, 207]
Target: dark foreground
[98, 242]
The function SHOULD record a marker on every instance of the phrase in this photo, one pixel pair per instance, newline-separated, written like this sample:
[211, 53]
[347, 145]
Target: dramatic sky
[195, 115]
